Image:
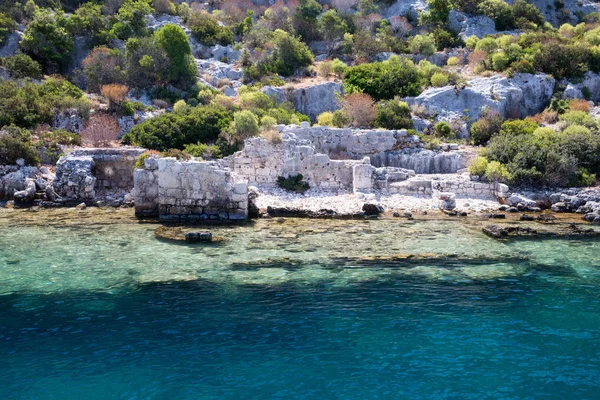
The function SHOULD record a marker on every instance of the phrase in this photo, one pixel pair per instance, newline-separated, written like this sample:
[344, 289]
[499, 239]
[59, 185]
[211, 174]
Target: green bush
[393, 114]
[325, 119]
[31, 104]
[203, 151]
[293, 183]
[22, 66]
[246, 124]
[478, 166]
[130, 19]
[47, 41]
[487, 126]
[496, 172]
[340, 119]
[420, 44]
[385, 80]
[439, 79]
[500, 12]
[173, 131]
[443, 129]
[175, 43]
[290, 54]
[579, 118]
[207, 30]
[7, 26]
[11, 149]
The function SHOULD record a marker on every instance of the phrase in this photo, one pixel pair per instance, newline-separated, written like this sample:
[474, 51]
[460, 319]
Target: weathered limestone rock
[26, 195]
[310, 100]
[14, 178]
[445, 200]
[362, 177]
[372, 209]
[520, 96]
[11, 46]
[591, 83]
[68, 120]
[466, 26]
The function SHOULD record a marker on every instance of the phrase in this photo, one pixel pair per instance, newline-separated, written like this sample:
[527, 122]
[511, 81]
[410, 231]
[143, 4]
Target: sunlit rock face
[517, 97]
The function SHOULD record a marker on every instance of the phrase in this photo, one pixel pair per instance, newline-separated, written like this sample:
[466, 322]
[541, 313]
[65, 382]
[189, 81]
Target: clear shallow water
[103, 310]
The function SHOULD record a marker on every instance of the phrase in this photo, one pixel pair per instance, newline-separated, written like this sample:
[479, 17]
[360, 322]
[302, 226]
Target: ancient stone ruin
[189, 191]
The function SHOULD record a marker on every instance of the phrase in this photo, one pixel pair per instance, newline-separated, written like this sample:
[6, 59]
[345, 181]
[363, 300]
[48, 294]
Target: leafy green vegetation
[293, 183]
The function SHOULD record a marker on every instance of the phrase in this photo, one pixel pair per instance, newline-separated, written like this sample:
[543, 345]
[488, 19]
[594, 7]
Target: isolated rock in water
[81, 206]
[520, 96]
[466, 26]
[310, 100]
[198, 237]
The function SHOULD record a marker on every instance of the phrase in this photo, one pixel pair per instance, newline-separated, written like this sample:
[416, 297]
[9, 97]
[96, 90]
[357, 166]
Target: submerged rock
[572, 230]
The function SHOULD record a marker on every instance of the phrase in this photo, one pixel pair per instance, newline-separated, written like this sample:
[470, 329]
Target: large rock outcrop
[559, 12]
[310, 100]
[590, 83]
[466, 26]
[517, 97]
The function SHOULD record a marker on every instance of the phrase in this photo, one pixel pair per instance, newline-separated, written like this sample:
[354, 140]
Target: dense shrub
[7, 26]
[325, 119]
[293, 183]
[206, 29]
[486, 127]
[496, 172]
[543, 156]
[176, 45]
[385, 80]
[47, 41]
[130, 19]
[200, 125]
[32, 104]
[104, 66]
[146, 63]
[203, 151]
[11, 149]
[500, 12]
[360, 109]
[290, 54]
[393, 114]
[22, 66]
[439, 79]
[443, 129]
[478, 166]
[88, 20]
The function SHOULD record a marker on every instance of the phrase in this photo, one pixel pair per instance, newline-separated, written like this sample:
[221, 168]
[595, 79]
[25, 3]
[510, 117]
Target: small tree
[361, 109]
[101, 130]
[175, 43]
[115, 94]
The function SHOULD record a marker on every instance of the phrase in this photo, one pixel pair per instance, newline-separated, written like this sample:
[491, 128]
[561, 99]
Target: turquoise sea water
[101, 309]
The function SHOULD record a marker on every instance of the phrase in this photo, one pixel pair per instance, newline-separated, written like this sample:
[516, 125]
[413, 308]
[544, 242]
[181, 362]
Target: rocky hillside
[519, 77]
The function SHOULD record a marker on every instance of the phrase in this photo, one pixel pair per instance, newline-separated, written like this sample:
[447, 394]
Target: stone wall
[112, 168]
[427, 185]
[353, 143]
[189, 191]
[385, 148]
[422, 161]
[261, 162]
